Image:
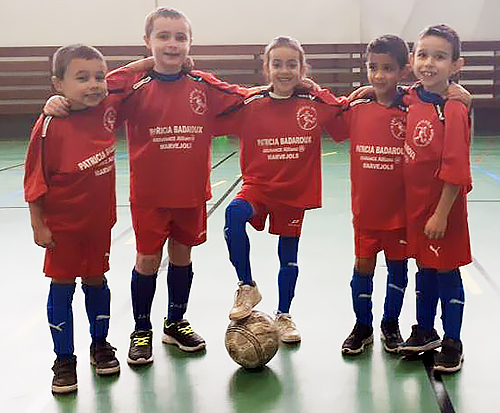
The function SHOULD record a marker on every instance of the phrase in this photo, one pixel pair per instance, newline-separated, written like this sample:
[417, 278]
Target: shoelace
[187, 330]
[141, 341]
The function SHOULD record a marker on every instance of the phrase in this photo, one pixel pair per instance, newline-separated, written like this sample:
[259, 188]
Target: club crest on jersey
[398, 127]
[307, 117]
[109, 119]
[198, 101]
[423, 133]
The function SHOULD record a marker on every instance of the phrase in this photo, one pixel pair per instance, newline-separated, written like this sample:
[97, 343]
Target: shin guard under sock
[60, 317]
[287, 277]
[97, 304]
[397, 280]
[179, 280]
[143, 289]
[361, 289]
[452, 296]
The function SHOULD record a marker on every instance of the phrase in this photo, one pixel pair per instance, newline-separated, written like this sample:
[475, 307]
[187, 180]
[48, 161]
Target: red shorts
[153, 226]
[283, 220]
[78, 255]
[367, 243]
[442, 254]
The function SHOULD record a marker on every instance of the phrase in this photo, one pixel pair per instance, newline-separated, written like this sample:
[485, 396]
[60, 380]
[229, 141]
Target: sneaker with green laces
[141, 347]
[360, 337]
[64, 380]
[181, 334]
[102, 356]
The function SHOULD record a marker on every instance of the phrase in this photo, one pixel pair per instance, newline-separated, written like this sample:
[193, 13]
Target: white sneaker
[245, 299]
[287, 328]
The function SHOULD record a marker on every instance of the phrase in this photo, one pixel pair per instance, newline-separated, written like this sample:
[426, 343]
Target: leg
[361, 290]
[452, 296]
[397, 280]
[97, 304]
[423, 336]
[60, 317]
[287, 279]
[143, 287]
[247, 296]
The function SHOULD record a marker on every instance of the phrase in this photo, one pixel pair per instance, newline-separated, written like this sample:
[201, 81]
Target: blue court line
[492, 175]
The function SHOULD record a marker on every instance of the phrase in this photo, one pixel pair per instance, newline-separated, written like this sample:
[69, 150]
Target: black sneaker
[391, 336]
[360, 337]
[141, 347]
[420, 340]
[64, 380]
[182, 335]
[451, 357]
[102, 356]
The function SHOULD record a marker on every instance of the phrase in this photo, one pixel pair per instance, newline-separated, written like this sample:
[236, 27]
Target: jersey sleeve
[455, 164]
[35, 185]
[336, 125]
[120, 85]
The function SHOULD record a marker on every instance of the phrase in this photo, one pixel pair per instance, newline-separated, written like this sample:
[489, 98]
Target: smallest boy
[69, 184]
[376, 129]
[437, 177]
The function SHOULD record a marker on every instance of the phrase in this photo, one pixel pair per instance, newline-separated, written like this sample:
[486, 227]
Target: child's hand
[57, 106]
[142, 64]
[361, 92]
[435, 227]
[310, 84]
[43, 236]
[457, 92]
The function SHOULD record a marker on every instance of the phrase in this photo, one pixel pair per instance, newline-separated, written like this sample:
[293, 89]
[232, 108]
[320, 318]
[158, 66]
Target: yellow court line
[469, 282]
[330, 153]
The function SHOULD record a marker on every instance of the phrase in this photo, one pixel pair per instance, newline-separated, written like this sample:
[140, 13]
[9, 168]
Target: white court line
[218, 183]
[29, 324]
[470, 283]
[330, 153]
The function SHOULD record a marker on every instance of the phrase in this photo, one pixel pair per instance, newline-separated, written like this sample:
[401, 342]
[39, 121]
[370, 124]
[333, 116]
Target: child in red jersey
[70, 187]
[377, 131]
[437, 177]
[280, 157]
[170, 112]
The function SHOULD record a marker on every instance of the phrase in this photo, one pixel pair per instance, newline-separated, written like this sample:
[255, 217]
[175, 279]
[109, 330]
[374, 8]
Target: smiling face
[432, 63]
[384, 73]
[169, 42]
[83, 83]
[284, 70]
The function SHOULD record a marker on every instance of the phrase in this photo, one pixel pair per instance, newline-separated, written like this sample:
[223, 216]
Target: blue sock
[397, 280]
[60, 316]
[361, 289]
[97, 304]
[238, 213]
[426, 286]
[143, 291]
[452, 295]
[288, 248]
[179, 281]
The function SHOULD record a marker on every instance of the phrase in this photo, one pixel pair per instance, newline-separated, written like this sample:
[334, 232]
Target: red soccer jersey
[280, 144]
[377, 136]
[169, 125]
[437, 150]
[70, 164]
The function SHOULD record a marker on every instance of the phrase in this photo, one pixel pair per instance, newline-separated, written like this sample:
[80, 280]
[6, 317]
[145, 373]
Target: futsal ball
[253, 341]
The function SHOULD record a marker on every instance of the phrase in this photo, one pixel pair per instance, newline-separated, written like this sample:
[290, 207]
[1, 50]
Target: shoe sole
[171, 340]
[64, 389]
[294, 340]
[240, 316]
[422, 349]
[364, 343]
[454, 369]
[140, 361]
[106, 371]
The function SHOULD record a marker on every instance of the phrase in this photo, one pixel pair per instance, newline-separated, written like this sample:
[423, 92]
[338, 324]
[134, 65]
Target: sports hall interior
[313, 376]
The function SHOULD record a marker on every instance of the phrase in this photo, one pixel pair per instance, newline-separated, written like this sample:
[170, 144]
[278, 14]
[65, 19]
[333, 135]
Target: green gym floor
[311, 377]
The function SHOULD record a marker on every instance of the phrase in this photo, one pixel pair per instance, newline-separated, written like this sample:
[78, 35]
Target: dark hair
[167, 13]
[285, 41]
[447, 33]
[64, 55]
[392, 45]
